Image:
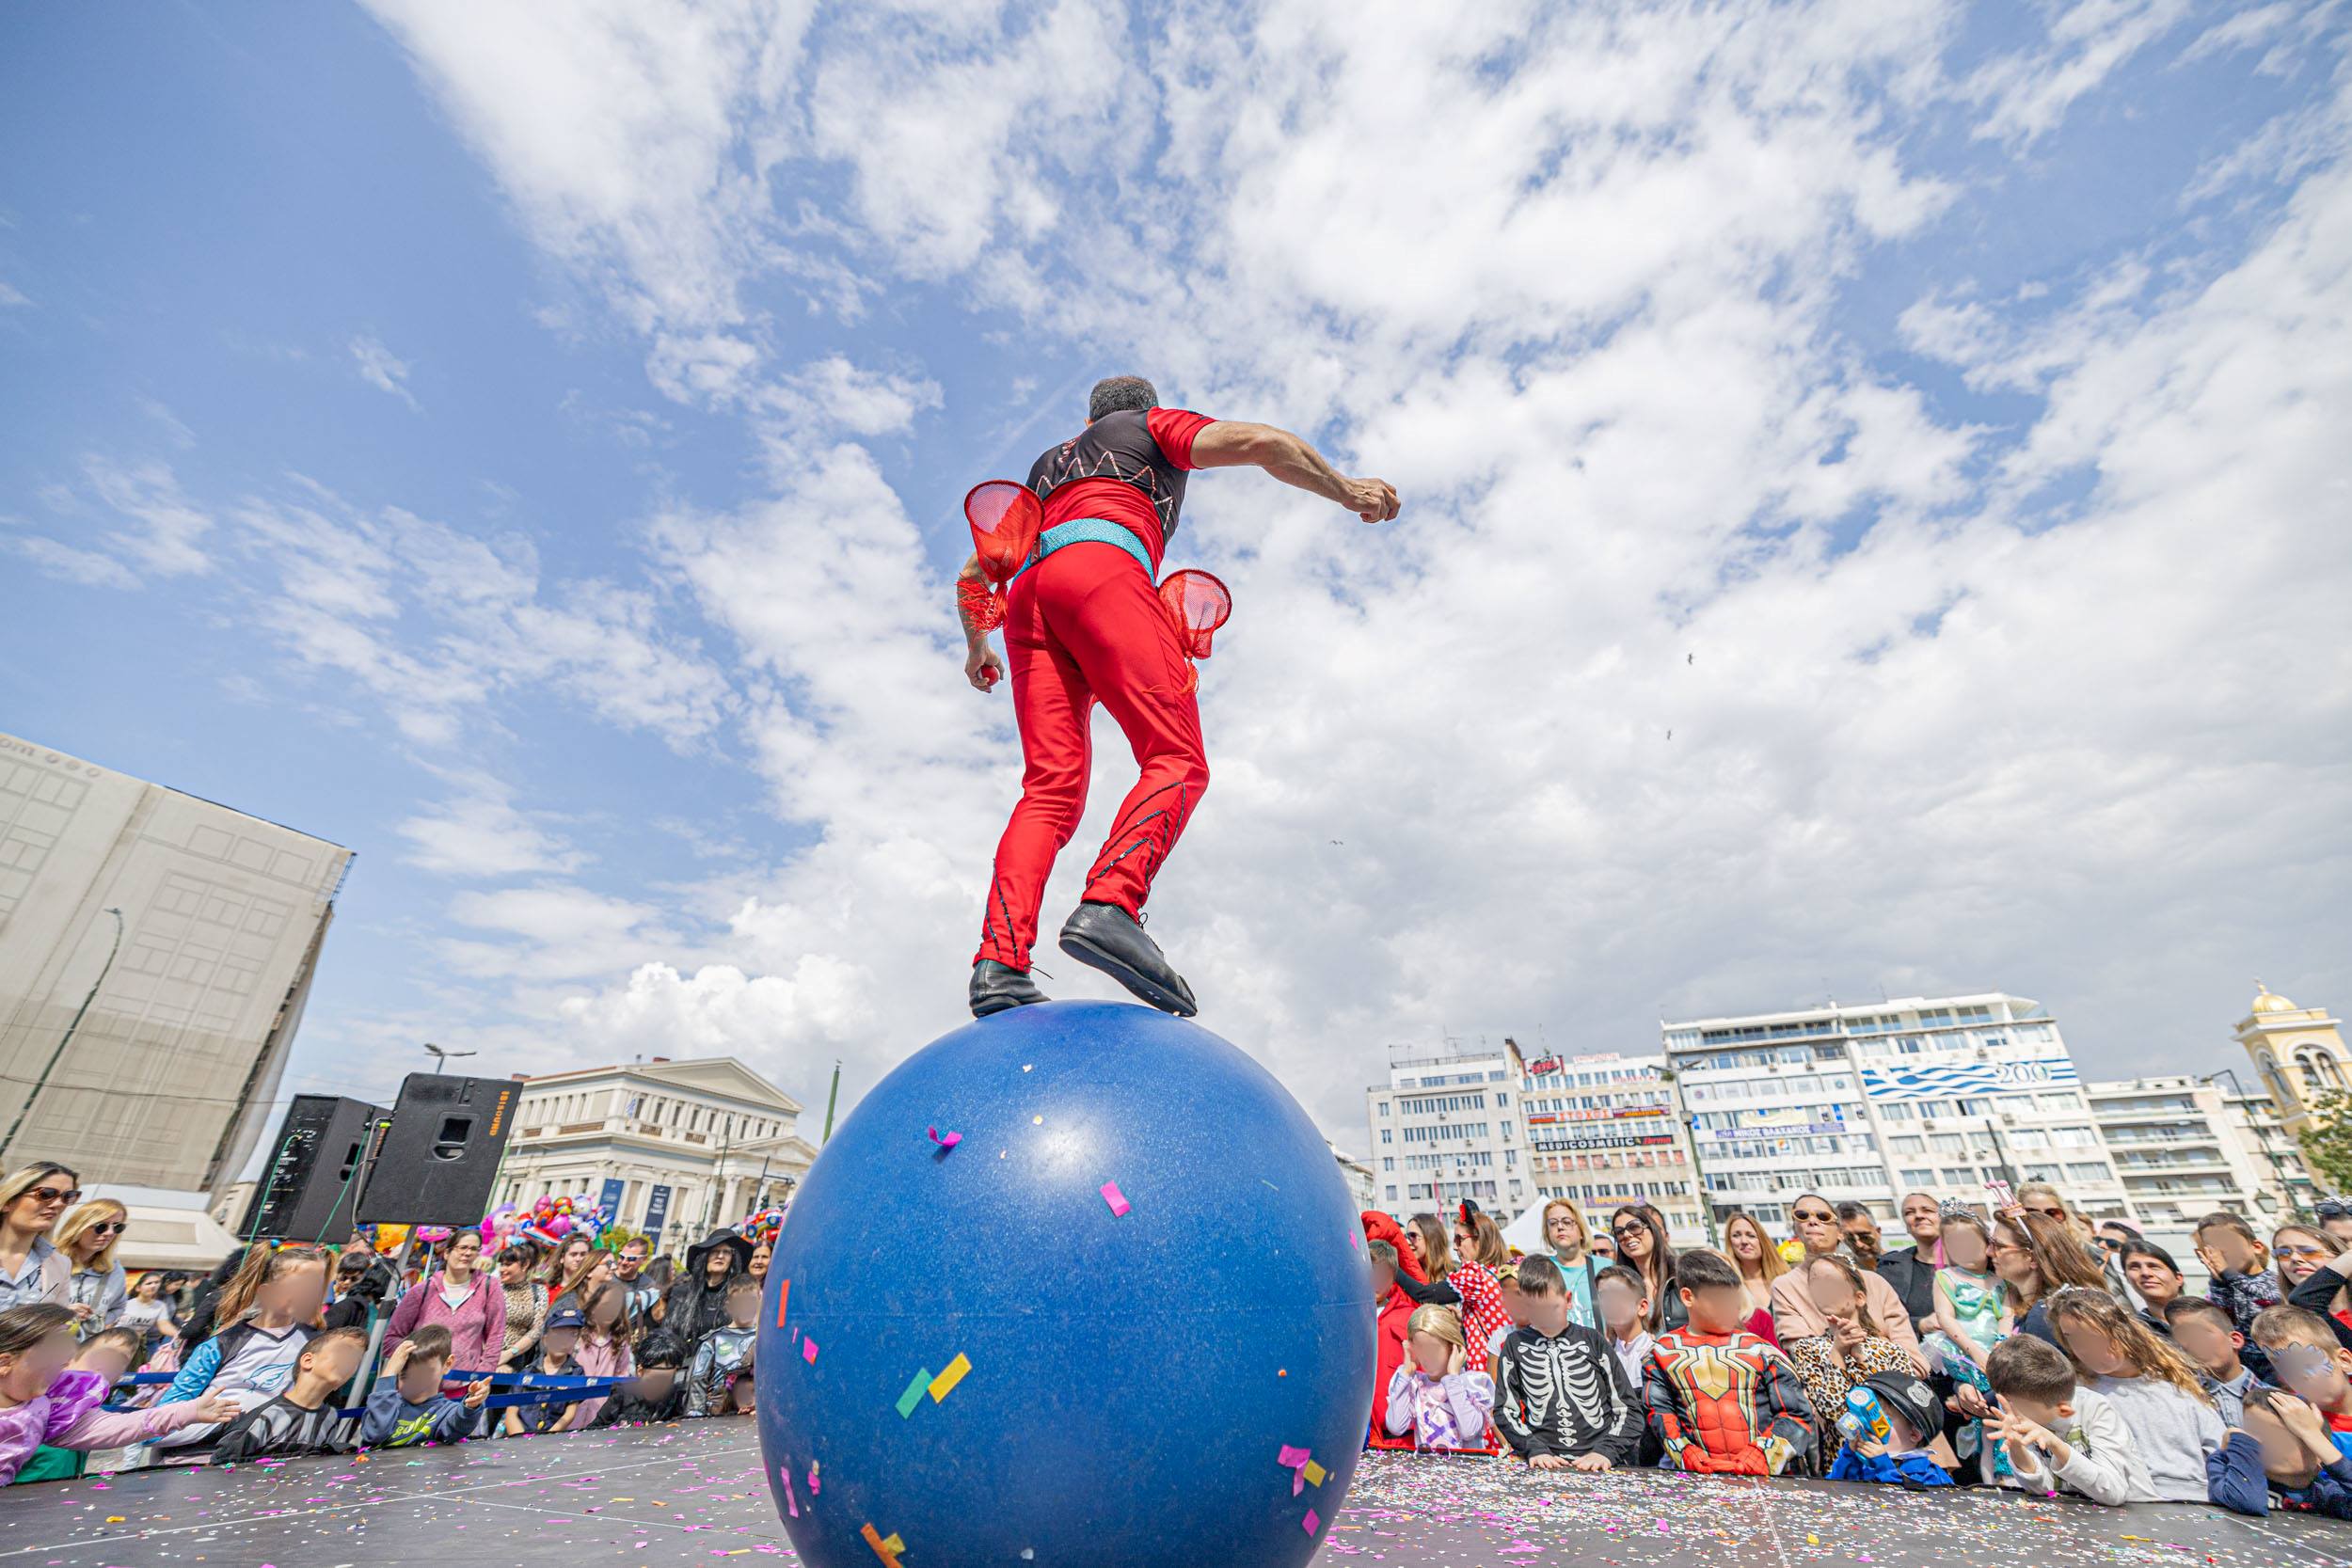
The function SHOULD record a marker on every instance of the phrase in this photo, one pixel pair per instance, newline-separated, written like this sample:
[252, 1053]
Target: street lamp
[441, 1054]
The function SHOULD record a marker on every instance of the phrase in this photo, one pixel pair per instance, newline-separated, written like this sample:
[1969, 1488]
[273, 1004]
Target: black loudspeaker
[311, 1185]
[442, 1156]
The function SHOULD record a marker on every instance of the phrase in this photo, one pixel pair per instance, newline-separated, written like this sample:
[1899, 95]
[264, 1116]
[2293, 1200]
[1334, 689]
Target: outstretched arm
[1236, 444]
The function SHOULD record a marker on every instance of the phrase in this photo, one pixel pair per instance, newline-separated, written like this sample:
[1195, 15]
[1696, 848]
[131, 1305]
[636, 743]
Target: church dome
[2268, 1001]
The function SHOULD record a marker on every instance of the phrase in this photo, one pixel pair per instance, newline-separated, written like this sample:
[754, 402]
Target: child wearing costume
[1432, 1395]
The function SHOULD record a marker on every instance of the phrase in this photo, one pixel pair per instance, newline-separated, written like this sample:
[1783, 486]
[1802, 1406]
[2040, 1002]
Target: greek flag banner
[1966, 1078]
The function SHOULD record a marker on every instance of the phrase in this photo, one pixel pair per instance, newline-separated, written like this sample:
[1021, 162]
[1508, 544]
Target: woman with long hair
[1643, 1246]
[2316, 1284]
[1479, 1251]
[87, 1236]
[266, 1314]
[2035, 1256]
[524, 1302]
[1571, 1244]
[1856, 1346]
[566, 1264]
[32, 1200]
[461, 1297]
[1428, 1235]
[1794, 1313]
[584, 1273]
[1759, 1263]
[604, 1348]
[2151, 1386]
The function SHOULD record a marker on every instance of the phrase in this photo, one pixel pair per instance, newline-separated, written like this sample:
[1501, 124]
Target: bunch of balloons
[434, 1235]
[549, 1222]
[760, 1229]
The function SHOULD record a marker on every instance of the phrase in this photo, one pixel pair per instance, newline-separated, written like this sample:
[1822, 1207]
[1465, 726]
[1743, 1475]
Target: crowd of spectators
[2011, 1344]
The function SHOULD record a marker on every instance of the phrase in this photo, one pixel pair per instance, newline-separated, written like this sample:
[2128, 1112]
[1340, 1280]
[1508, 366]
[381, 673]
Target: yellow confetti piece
[945, 1382]
[1313, 1472]
[114, 1518]
[1812, 1540]
[893, 1541]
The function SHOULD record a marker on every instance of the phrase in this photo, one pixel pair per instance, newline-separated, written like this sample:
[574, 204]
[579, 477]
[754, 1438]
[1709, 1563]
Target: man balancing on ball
[1083, 623]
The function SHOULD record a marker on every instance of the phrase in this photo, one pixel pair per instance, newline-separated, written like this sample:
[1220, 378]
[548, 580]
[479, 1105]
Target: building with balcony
[679, 1147]
[2183, 1151]
[1446, 1126]
[1606, 1131]
[1866, 1102]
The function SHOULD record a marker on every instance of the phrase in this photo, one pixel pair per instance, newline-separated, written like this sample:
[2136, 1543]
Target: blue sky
[529, 456]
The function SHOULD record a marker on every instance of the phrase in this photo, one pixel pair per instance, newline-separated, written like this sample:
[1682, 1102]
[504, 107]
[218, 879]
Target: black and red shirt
[1127, 467]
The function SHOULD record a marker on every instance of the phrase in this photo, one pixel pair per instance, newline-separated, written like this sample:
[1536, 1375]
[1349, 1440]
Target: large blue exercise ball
[1125, 1320]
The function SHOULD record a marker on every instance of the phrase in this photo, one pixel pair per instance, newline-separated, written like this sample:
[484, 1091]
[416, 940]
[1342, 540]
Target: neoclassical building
[687, 1145]
[2298, 1051]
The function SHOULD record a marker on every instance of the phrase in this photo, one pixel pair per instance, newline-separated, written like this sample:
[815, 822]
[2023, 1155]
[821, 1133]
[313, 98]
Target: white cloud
[480, 833]
[10, 297]
[169, 527]
[2029, 91]
[89, 568]
[379, 368]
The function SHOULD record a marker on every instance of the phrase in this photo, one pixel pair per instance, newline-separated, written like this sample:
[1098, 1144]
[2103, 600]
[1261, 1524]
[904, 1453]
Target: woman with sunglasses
[32, 1200]
[1643, 1246]
[88, 1237]
[1795, 1314]
[2314, 1284]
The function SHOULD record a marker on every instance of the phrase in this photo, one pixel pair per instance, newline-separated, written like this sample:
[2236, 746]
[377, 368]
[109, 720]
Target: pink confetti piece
[946, 1140]
[791, 1499]
[813, 1487]
[1311, 1523]
[1292, 1457]
[808, 1351]
[1117, 1199]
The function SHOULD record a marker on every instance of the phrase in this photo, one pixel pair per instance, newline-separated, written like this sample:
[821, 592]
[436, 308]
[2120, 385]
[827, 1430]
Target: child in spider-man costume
[1722, 1400]
[1084, 625]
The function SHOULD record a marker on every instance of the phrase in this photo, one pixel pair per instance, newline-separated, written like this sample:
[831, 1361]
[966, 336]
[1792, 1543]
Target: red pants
[1081, 626]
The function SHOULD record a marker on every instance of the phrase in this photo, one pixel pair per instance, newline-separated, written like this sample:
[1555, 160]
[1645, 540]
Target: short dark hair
[742, 1284]
[1120, 394]
[1540, 1277]
[1852, 1210]
[129, 1340]
[431, 1343]
[1629, 1278]
[512, 1254]
[2137, 1248]
[2190, 1306]
[2275, 1326]
[2025, 1364]
[1700, 1269]
[345, 1336]
[1381, 1252]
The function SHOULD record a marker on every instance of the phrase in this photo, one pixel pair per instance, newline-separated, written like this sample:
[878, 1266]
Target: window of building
[2089, 1170]
[1918, 1179]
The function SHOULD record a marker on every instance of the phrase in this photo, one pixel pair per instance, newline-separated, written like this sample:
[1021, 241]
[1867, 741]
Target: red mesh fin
[983, 608]
[1004, 520]
[1196, 605]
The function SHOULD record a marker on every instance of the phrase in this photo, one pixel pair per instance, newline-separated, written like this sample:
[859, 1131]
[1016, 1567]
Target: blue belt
[1079, 530]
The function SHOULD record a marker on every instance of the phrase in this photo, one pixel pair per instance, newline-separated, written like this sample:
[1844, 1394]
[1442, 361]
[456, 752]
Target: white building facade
[678, 1148]
[1447, 1126]
[2191, 1146]
[1607, 1131]
[1864, 1104]
[175, 1023]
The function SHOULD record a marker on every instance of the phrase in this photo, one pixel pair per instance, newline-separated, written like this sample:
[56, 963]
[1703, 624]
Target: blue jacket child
[1888, 1415]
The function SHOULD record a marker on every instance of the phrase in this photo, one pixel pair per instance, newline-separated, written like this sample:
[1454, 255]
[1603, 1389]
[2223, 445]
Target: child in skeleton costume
[1562, 1400]
[1431, 1395]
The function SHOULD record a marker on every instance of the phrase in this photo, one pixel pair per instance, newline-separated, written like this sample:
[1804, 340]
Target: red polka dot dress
[1483, 1316]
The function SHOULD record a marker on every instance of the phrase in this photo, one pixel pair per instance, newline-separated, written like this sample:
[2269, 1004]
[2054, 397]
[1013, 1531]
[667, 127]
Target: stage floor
[689, 1493]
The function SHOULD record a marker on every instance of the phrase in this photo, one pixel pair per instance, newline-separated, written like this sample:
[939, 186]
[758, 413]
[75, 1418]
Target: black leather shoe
[1106, 937]
[996, 987]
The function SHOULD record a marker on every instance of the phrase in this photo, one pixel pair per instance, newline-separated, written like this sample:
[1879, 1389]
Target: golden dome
[2267, 1001]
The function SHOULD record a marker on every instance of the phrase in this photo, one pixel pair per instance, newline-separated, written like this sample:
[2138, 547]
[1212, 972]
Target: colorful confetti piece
[945, 1382]
[1311, 1523]
[946, 1140]
[784, 1293]
[914, 1396]
[808, 1351]
[1117, 1199]
[1313, 1472]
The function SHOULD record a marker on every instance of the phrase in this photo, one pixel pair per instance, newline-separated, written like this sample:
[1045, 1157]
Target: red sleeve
[1173, 428]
